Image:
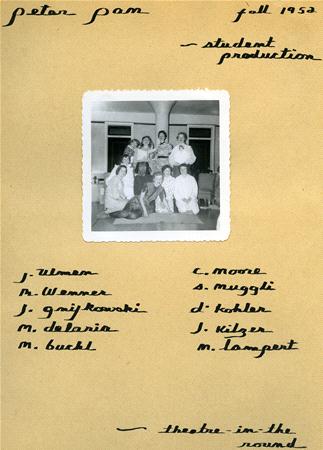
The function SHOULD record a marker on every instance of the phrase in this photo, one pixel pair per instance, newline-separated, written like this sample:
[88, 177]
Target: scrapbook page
[160, 230]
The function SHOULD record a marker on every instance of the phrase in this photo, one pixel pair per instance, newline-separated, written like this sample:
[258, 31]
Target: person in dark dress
[131, 148]
[142, 177]
[145, 203]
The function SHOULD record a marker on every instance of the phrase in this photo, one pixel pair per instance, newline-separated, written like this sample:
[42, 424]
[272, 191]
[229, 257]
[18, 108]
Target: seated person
[185, 192]
[151, 199]
[181, 154]
[142, 177]
[115, 198]
[169, 186]
[156, 195]
[128, 180]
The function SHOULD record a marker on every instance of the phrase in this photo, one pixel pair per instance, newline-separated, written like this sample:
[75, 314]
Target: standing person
[151, 199]
[181, 154]
[131, 148]
[164, 149]
[128, 180]
[169, 186]
[145, 151]
[185, 192]
[115, 198]
[142, 177]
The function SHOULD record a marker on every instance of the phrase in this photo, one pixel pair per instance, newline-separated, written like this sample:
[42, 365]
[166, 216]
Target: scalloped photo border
[223, 224]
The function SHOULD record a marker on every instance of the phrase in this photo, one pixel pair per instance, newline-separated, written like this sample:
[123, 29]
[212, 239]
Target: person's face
[183, 170]
[158, 180]
[122, 172]
[146, 141]
[167, 172]
[134, 144]
[162, 138]
[181, 139]
[142, 169]
[125, 160]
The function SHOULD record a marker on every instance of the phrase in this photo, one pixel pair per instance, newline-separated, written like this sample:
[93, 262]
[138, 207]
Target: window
[118, 136]
[200, 132]
[119, 130]
[201, 138]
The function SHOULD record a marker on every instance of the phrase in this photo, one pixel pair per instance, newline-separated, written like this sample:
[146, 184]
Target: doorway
[118, 137]
[201, 139]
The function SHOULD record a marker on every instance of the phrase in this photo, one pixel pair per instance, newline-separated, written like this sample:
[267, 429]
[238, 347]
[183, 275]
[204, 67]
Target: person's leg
[124, 212]
[170, 202]
[134, 214]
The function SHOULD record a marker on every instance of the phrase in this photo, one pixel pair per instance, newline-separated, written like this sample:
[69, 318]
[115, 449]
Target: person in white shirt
[169, 186]
[144, 153]
[115, 199]
[181, 154]
[128, 180]
[185, 192]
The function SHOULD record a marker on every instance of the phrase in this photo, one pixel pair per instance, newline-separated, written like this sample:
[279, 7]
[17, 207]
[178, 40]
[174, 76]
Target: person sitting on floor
[142, 177]
[156, 195]
[185, 192]
[115, 198]
[169, 186]
[151, 199]
[128, 180]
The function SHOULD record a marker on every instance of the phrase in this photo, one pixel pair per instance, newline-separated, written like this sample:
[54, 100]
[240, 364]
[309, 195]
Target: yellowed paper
[144, 381]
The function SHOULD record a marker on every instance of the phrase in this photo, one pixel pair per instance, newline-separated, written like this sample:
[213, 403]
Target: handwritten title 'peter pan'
[47, 10]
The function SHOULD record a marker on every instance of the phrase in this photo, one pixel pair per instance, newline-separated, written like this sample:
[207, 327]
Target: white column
[162, 110]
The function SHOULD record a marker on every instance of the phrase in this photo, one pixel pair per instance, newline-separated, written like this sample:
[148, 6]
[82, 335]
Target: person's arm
[194, 188]
[120, 189]
[164, 200]
[172, 187]
[135, 157]
[192, 157]
[112, 174]
[153, 194]
[152, 153]
[142, 202]
[171, 158]
[113, 189]
[177, 190]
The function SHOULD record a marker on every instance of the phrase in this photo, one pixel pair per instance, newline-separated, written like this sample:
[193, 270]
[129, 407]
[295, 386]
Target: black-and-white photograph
[155, 165]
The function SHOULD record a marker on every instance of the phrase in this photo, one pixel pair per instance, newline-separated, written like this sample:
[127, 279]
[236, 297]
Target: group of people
[150, 179]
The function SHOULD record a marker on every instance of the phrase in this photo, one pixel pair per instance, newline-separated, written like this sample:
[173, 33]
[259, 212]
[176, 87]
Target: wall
[111, 116]
[99, 144]
[193, 119]
[173, 132]
[98, 153]
[143, 125]
[141, 130]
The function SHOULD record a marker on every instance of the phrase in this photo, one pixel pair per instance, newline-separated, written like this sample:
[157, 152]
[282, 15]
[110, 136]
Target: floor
[209, 218]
